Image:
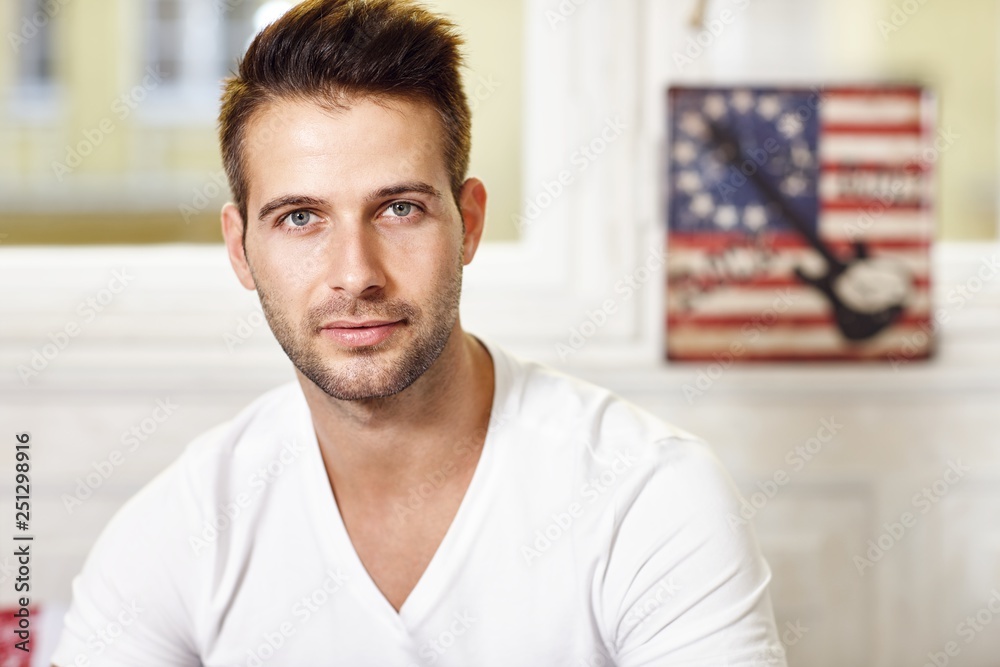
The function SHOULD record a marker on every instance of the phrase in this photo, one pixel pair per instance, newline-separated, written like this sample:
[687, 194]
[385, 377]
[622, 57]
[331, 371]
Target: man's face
[351, 221]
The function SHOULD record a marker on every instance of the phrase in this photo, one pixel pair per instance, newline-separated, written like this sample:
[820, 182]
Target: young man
[420, 495]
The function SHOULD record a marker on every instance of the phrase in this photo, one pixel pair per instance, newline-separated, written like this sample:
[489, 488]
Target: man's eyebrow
[403, 188]
[289, 200]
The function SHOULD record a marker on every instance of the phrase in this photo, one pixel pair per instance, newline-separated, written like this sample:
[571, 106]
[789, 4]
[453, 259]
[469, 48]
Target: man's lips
[360, 334]
[347, 324]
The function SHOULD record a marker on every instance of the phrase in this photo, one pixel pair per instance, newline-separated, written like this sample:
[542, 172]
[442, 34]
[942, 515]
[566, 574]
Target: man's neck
[376, 450]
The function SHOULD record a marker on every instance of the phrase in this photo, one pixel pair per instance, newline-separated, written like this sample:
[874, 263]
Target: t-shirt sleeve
[128, 607]
[684, 581]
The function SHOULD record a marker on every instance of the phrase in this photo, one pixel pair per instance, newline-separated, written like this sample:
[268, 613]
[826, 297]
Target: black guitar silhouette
[866, 295]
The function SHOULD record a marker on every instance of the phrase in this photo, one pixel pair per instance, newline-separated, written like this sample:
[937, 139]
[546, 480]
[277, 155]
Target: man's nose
[356, 261]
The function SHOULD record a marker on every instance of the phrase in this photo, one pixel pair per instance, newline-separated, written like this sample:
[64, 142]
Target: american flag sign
[799, 223]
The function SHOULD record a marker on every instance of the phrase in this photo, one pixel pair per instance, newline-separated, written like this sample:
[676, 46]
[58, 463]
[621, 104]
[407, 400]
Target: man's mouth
[347, 324]
[360, 333]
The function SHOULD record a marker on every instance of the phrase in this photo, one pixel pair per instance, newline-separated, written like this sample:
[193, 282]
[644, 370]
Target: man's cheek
[303, 265]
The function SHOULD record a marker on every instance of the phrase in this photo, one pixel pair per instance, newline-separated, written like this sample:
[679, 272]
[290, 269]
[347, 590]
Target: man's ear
[232, 233]
[472, 204]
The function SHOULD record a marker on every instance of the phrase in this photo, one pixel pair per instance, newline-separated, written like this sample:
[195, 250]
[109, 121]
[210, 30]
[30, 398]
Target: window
[34, 43]
[32, 99]
[191, 45]
[166, 31]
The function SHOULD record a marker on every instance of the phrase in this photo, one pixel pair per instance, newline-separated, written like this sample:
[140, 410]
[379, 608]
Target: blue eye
[299, 218]
[401, 208]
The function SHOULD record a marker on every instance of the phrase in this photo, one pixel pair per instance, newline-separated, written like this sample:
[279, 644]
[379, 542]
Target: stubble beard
[369, 373]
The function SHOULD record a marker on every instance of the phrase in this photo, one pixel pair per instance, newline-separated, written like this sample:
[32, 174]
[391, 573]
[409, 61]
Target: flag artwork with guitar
[800, 222]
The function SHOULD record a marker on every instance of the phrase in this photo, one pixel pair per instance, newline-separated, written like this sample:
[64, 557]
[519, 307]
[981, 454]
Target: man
[420, 495]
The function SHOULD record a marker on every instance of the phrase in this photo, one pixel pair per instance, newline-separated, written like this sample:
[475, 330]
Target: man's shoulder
[642, 481]
[553, 400]
[209, 466]
[270, 418]
[619, 453]
[154, 545]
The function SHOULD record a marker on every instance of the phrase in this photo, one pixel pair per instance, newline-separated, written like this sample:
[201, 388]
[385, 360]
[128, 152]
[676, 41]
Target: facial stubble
[369, 372]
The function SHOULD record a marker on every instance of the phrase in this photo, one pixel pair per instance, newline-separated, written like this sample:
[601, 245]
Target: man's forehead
[400, 136]
[414, 121]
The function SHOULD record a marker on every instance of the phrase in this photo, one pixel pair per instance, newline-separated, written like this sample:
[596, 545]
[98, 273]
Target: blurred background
[116, 292]
[109, 114]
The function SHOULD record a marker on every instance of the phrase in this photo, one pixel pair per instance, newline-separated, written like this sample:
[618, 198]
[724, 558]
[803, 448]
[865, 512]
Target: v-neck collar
[334, 539]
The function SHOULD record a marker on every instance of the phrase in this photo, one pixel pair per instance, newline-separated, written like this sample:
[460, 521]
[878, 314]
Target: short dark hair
[333, 51]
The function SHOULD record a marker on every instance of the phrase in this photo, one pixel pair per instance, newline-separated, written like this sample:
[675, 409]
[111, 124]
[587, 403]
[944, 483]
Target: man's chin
[359, 374]
[347, 390]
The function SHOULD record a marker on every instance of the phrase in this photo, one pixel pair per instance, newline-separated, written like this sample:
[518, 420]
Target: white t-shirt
[592, 533]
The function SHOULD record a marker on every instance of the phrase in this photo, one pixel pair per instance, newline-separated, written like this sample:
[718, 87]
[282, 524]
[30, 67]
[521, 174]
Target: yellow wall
[494, 48]
[953, 47]
[98, 65]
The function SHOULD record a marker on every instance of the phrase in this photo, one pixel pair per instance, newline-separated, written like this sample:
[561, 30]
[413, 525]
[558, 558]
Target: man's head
[333, 51]
[345, 135]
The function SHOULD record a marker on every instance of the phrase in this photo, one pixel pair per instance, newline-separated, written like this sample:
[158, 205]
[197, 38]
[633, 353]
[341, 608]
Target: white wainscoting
[169, 336]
